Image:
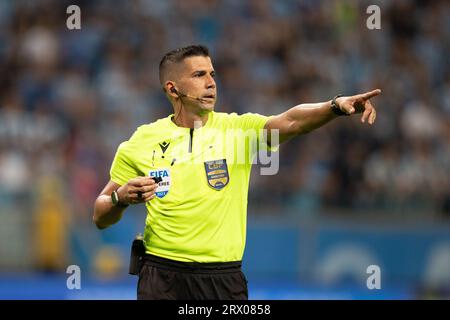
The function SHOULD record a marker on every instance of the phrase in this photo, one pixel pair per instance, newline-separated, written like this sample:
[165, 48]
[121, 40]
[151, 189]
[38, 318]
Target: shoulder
[149, 130]
[230, 117]
[144, 134]
[222, 116]
[235, 116]
[239, 120]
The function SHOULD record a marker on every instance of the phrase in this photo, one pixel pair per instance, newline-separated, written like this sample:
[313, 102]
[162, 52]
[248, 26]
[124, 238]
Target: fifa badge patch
[217, 173]
[164, 185]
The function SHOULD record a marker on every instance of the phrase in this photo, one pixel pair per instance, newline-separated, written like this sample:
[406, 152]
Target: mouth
[209, 97]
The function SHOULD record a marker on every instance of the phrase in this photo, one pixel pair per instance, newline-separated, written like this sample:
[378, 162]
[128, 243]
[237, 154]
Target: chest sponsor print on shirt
[164, 185]
[217, 173]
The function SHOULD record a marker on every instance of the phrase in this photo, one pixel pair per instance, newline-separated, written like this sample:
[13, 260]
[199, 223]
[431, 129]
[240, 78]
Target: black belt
[192, 267]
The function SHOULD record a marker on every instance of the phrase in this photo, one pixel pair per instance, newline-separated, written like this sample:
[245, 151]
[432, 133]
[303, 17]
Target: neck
[190, 120]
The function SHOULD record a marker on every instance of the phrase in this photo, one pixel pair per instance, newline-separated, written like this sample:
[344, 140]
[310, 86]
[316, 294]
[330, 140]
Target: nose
[211, 83]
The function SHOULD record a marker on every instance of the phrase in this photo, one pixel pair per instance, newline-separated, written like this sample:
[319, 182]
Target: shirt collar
[207, 124]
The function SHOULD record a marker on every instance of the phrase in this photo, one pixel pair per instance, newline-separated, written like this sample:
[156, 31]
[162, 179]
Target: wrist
[336, 108]
[116, 201]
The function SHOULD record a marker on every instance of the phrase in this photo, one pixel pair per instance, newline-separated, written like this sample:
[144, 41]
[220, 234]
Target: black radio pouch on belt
[138, 249]
[137, 255]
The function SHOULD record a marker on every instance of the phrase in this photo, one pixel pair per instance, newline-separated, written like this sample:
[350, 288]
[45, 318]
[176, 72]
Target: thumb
[347, 107]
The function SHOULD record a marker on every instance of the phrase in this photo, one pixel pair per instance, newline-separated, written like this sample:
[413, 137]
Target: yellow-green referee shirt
[200, 209]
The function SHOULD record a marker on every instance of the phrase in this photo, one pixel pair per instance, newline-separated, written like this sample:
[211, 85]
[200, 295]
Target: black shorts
[164, 279]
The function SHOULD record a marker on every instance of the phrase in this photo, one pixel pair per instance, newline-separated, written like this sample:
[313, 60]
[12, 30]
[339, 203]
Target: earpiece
[173, 90]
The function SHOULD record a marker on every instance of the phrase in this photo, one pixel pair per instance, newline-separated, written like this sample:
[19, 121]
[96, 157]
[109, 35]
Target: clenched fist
[137, 190]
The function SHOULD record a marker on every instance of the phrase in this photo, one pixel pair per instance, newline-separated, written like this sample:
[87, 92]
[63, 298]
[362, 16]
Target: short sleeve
[122, 168]
[257, 122]
[251, 121]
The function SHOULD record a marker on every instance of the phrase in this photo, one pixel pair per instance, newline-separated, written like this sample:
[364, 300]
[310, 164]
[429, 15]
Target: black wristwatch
[336, 108]
[115, 200]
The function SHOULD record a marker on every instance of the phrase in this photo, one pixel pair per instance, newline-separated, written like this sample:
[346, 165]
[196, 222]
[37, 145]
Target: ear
[170, 89]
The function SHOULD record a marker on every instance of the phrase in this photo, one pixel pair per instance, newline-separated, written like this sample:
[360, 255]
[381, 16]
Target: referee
[196, 215]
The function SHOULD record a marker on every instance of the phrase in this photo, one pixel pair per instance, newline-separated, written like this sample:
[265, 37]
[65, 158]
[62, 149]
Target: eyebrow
[202, 72]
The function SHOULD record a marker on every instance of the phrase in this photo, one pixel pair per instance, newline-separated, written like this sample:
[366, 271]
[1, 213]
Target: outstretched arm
[304, 118]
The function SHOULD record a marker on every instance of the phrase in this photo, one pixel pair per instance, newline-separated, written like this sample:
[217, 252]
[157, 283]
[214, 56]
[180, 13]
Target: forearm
[309, 116]
[105, 213]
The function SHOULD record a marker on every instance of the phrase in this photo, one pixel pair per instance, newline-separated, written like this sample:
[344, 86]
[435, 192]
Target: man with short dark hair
[196, 224]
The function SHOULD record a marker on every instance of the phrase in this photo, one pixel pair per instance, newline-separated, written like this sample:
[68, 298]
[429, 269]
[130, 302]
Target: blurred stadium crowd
[68, 98]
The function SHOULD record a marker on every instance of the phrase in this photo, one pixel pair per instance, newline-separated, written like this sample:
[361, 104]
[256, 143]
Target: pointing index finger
[370, 94]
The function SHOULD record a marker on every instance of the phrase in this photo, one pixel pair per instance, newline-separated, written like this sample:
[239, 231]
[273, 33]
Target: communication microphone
[182, 95]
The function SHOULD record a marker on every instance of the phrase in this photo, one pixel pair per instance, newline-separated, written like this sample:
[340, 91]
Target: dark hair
[179, 55]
